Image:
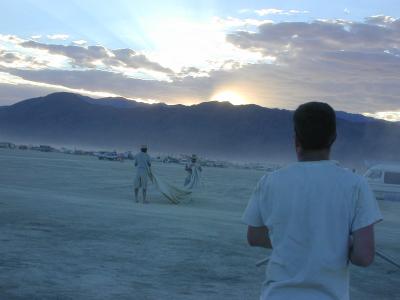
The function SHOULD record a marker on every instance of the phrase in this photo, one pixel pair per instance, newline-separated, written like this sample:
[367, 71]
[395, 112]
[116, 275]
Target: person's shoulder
[346, 178]
[270, 178]
[283, 172]
[348, 175]
[360, 180]
[263, 182]
[295, 169]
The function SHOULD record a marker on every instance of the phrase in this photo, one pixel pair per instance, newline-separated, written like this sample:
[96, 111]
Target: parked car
[385, 181]
[104, 155]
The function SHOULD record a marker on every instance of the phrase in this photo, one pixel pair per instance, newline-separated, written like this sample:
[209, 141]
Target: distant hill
[117, 102]
[246, 132]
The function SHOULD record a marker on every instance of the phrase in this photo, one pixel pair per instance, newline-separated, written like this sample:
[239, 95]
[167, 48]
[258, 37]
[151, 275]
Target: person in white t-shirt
[142, 164]
[316, 216]
[193, 168]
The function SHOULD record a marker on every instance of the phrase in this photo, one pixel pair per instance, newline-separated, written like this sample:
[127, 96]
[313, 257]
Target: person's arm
[366, 214]
[257, 232]
[362, 248]
[258, 237]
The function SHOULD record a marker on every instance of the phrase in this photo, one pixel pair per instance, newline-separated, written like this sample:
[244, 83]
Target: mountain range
[214, 129]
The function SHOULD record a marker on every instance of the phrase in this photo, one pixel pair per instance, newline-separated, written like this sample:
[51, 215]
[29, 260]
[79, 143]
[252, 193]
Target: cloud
[79, 42]
[18, 60]
[392, 116]
[346, 11]
[244, 10]
[8, 57]
[298, 40]
[351, 65]
[179, 43]
[268, 85]
[275, 11]
[178, 91]
[80, 56]
[131, 59]
[383, 21]
[236, 22]
[12, 93]
[92, 56]
[36, 37]
[9, 82]
[61, 37]
[354, 64]
[8, 38]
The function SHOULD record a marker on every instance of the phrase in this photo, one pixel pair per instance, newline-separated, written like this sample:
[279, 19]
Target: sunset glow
[229, 96]
[243, 52]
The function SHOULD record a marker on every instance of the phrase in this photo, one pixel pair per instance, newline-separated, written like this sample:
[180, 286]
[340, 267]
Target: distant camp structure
[113, 156]
[180, 159]
[7, 145]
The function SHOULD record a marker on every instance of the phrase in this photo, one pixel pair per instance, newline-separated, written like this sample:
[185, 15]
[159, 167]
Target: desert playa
[69, 229]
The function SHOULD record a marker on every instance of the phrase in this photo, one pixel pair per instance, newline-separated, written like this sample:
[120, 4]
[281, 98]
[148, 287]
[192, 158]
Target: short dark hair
[144, 150]
[315, 125]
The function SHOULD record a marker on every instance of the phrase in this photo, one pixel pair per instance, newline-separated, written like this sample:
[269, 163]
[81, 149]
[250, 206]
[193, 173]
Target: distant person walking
[315, 215]
[142, 164]
[193, 169]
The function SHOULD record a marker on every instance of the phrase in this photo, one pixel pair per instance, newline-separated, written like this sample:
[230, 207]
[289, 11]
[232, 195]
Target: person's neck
[313, 155]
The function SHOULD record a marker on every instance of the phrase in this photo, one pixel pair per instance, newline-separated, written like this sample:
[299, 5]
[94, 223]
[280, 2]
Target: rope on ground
[377, 252]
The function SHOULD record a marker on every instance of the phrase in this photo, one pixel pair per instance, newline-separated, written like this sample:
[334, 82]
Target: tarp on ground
[172, 193]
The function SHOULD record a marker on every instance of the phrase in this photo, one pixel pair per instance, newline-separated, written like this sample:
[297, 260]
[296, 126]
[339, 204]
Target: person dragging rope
[193, 169]
[142, 164]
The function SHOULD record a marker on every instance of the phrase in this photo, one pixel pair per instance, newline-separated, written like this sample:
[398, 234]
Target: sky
[272, 53]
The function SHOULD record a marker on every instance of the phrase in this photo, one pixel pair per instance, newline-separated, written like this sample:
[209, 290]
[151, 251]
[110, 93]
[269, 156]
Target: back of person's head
[143, 148]
[315, 125]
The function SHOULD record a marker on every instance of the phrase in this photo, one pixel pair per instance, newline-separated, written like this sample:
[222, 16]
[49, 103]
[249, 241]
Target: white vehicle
[103, 155]
[385, 181]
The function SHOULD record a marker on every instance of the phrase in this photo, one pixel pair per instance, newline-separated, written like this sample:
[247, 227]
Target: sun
[229, 96]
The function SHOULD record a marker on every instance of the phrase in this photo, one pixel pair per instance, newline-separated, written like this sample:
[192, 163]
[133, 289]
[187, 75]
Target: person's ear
[296, 142]
[333, 139]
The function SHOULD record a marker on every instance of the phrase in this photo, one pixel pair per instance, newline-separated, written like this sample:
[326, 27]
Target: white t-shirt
[142, 162]
[310, 209]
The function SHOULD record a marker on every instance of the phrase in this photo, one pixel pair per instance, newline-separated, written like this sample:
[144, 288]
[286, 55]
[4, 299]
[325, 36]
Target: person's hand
[350, 245]
[350, 241]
